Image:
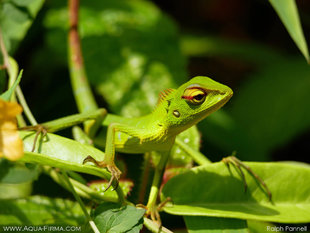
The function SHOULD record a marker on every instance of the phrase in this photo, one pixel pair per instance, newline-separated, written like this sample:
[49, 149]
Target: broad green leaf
[39, 210]
[57, 151]
[202, 224]
[13, 173]
[16, 180]
[112, 218]
[288, 13]
[16, 16]
[61, 152]
[211, 190]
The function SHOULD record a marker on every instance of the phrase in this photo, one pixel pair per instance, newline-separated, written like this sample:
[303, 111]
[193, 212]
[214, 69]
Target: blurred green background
[135, 49]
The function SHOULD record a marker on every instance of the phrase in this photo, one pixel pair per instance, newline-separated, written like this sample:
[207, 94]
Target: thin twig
[8, 67]
[26, 108]
[5, 54]
[79, 200]
[82, 91]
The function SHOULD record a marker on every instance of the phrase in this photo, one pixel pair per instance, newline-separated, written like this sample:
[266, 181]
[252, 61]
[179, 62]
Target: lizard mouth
[220, 99]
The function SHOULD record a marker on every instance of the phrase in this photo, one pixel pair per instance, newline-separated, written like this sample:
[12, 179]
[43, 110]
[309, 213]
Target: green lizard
[176, 111]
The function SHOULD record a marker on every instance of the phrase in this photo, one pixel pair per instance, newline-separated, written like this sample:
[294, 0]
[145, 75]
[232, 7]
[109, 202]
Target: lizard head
[194, 101]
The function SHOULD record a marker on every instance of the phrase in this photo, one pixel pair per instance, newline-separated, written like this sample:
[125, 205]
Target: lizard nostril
[176, 113]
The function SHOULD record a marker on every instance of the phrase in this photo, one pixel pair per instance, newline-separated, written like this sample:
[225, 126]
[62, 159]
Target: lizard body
[176, 111]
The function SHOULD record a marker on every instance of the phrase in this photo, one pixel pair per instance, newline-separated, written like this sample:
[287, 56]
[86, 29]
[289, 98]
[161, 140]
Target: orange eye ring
[194, 95]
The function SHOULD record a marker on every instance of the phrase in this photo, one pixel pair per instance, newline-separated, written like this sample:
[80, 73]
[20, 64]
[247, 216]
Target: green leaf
[16, 180]
[39, 210]
[13, 191]
[211, 190]
[288, 13]
[57, 151]
[15, 19]
[112, 218]
[7, 95]
[178, 157]
[13, 173]
[61, 152]
[201, 224]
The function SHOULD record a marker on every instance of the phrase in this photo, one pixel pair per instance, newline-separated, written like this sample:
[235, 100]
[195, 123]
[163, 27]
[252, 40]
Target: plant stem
[78, 199]
[26, 108]
[82, 92]
[75, 119]
[81, 189]
[12, 72]
[5, 54]
[81, 89]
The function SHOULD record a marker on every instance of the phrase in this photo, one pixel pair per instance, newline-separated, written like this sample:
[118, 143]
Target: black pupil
[199, 97]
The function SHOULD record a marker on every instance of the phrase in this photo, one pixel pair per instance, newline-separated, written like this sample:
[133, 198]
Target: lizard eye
[194, 95]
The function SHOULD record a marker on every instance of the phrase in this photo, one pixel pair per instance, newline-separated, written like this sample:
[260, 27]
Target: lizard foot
[239, 165]
[153, 211]
[40, 129]
[115, 172]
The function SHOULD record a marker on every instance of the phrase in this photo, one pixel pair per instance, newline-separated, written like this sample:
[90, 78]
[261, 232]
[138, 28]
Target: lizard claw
[40, 129]
[238, 165]
[115, 172]
[153, 211]
[115, 175]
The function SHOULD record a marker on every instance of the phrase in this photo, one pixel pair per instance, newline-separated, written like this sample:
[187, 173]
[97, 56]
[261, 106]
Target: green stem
[80, 136]
[81, 189]
[198, 157]
[12, 70]
[78, 199]
[75, 119]
[82, 92]
[25, 106]
[81, 89]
